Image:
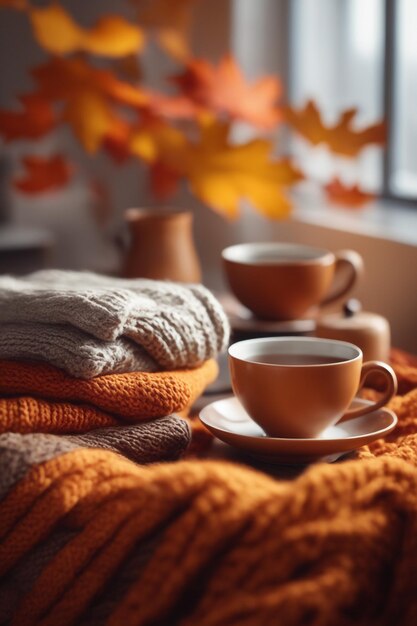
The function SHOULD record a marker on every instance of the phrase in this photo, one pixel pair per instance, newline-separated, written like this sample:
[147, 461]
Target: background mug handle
[354, 263]
[371, 367]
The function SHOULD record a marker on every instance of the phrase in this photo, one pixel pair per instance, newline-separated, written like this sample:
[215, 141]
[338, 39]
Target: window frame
[389, 79]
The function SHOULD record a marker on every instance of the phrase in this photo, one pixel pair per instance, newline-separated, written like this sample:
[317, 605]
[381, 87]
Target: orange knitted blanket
[88, 538]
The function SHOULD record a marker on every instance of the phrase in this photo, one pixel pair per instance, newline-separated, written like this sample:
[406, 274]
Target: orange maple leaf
[224, 89]
[88, 95]
[341, 138]
[117, 140]
[170, 20]
[43, 174]
[348, 196]
[36, 118]
[57, 33]
[58, 79]
[176, 107]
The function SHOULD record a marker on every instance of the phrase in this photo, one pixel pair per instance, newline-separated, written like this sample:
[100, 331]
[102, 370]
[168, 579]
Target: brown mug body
[300, 400]
[281, 281]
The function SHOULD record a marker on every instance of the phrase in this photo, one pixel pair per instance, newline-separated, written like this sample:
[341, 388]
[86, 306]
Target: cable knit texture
[90, 325]
[88, 538]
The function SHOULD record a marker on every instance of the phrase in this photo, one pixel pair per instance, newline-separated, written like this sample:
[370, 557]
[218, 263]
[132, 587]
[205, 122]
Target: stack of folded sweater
[82, 355]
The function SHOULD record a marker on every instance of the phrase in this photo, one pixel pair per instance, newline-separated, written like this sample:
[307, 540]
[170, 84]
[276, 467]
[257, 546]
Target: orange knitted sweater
[88, 538]
[41, 398]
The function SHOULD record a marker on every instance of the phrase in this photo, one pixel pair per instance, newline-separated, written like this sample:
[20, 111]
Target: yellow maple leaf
[221, 174]
[156, 141]
[90, 117]
[58, 33]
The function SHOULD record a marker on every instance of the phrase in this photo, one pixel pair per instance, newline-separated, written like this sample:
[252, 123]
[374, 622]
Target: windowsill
[382, 219]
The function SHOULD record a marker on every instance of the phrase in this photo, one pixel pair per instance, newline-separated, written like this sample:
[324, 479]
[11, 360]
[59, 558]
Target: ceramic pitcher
[161, 245]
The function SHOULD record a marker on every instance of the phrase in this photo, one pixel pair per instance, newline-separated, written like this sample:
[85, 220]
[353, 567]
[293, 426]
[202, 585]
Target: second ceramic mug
[298, 386]
[284, 281]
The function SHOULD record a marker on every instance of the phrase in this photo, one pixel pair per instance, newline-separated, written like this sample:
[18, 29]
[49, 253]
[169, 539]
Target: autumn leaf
[175, 43]
[341, 138]
[224, 89]
[175, 107]
[156, 141]
[90, 117]
[43, 174]
[116, 141]
[18, 5]
[221, 174]
[88, 96]
[58, 79]
[170, 20]
[348, 196]
[57, 33]
[35, 119]
[162, 147]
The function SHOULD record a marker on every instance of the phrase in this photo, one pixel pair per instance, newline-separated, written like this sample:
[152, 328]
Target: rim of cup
[248, 253]
[243, 350]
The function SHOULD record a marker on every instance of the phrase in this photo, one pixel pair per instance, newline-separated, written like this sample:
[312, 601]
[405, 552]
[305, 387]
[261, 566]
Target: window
[342, 53]
[360, 53]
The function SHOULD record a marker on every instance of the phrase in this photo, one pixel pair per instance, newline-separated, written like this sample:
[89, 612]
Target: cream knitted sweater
[89, 324]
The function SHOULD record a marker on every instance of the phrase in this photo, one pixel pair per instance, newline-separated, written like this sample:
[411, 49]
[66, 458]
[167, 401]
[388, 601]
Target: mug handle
[391, 388]
[354, 262]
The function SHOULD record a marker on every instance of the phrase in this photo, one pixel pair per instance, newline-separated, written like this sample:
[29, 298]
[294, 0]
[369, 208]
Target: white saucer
[228, 421]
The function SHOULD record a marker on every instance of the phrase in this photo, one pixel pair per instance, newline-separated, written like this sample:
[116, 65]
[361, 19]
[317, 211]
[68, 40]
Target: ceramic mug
[284, 281]
[299, 386]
